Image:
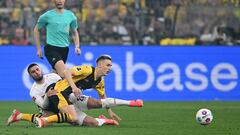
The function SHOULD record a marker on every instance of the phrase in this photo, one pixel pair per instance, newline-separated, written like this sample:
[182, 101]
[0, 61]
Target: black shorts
[55, 54]
[59, 100]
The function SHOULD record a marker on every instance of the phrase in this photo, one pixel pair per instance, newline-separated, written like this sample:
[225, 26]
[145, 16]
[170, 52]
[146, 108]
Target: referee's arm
[37, 41]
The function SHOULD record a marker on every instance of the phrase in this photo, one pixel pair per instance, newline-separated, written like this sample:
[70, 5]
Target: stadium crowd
[131, 22]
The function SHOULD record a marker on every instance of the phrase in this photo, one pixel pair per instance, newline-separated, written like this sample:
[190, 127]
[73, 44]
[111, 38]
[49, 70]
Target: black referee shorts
[55, 54]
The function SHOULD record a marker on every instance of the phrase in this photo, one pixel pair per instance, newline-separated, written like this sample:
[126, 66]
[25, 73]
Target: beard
[59, 6]
[37, 79]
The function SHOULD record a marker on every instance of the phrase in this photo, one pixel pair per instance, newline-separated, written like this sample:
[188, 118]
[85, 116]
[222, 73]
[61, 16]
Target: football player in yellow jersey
[86, 77]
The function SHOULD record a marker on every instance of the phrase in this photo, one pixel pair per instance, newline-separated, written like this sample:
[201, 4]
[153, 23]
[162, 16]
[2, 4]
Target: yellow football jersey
[84, 78]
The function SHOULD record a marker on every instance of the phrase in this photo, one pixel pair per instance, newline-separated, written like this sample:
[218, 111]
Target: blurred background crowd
[131, 22]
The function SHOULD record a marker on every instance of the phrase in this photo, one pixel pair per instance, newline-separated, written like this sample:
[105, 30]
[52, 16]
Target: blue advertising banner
[150, 73]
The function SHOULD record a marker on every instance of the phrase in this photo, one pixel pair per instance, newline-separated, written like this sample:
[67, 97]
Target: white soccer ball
[204, 116]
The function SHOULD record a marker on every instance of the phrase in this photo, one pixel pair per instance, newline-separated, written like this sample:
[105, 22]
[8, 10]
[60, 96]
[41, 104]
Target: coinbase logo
[169, 76]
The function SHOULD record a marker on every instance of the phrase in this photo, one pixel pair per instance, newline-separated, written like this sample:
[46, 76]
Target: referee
[58, 23]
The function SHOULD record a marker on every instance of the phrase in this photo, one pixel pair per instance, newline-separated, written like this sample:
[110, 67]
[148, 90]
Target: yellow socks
[59, 118]
[29, 117]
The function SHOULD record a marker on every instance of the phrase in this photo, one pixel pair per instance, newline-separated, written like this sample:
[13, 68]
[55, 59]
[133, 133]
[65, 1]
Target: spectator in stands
[184, 18]
[121, 31]
[19, 37]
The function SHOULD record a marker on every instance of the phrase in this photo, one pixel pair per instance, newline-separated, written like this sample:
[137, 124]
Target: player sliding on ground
[82, 102]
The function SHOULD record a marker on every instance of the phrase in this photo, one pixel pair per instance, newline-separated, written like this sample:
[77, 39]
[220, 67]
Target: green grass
[155, 118]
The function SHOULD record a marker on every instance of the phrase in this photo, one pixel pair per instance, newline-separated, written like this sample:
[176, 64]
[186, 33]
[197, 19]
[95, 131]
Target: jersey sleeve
[42, 21]
[100, 89]
[81, 70]
[74, 24]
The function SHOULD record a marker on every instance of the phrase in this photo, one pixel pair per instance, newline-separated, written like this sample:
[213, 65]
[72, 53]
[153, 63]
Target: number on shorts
[81, 98]
[79, 69]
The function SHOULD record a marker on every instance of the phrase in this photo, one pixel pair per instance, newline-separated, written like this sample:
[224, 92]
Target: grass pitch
[155, 118]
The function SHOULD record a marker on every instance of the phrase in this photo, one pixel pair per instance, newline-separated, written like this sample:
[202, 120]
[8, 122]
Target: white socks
[19, 117]
[112, 102]
[100, 121]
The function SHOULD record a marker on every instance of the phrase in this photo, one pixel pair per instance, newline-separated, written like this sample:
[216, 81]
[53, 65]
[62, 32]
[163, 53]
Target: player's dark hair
[103, 57]
[31, 65]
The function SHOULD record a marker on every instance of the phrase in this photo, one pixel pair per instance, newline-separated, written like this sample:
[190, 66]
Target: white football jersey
[37, 91]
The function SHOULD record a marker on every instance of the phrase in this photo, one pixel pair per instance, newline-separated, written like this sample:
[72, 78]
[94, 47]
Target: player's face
[59, 3]
[106, 66]
[36, 73]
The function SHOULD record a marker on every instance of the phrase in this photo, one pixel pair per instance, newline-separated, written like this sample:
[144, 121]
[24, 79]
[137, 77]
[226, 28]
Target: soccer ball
[204, 116]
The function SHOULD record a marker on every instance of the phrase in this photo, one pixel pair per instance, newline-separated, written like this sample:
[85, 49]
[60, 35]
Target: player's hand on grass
[113, 115]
